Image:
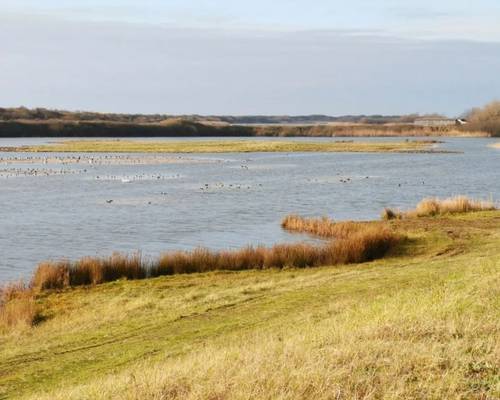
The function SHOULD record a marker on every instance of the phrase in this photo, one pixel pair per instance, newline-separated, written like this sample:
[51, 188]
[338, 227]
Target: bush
[486, 119]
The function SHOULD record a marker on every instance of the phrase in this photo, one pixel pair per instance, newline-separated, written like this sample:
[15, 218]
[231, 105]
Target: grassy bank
[421, 323]
[225, 146]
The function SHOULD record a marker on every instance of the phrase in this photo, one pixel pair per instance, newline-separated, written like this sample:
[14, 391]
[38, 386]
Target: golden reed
[354, 244]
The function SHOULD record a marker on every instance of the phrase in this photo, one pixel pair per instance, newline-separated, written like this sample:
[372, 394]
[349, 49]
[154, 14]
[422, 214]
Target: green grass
[422, 323]
[224, 146]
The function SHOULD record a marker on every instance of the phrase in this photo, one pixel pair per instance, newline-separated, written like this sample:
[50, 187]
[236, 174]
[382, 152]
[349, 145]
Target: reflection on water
[52, 206]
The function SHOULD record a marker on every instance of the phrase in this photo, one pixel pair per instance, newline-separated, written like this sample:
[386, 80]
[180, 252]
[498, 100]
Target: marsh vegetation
[356, 244]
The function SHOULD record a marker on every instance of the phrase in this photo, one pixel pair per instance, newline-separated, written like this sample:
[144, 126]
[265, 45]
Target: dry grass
[354, 241]
[322, 227]
[355, 245]
[88, 271]
[17, 306]
[433, 206]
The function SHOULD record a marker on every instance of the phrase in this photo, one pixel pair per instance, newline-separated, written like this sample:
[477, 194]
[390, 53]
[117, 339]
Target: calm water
[152, 203]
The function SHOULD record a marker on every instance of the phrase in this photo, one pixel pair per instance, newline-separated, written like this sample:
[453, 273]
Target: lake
[56, 206]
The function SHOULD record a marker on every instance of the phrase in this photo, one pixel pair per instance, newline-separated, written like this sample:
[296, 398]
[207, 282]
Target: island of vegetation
[226, 146]
[405, 307]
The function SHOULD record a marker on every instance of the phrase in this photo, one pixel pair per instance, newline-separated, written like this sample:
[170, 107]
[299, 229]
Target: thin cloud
[144, 68]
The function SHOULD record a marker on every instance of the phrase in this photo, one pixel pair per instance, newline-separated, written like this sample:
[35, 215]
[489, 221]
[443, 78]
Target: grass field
[224, 146]
[422, 323]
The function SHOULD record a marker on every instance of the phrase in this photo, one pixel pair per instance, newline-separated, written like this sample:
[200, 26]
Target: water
[154, 203]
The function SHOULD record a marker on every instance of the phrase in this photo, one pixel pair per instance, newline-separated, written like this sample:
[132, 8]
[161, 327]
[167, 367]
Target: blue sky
[242, 57]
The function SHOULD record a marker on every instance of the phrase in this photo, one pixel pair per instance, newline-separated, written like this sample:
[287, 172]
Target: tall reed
[322, 227]
[88, 270]
[363, 243]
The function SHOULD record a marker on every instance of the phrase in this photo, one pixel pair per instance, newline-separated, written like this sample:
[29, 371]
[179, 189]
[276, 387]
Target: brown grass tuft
[433, 206]
[365, 245]
[51, 275]
[17, 306]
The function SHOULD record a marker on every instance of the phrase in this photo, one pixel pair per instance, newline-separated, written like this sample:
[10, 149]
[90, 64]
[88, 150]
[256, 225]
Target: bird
[109, 201]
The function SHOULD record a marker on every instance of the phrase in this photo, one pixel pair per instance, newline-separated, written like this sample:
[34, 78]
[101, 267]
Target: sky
[235, 57]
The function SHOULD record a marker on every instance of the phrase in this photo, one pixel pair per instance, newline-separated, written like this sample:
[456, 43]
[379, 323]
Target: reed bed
[354, 245]
[430, 207]
[88, 271]
[323, 227]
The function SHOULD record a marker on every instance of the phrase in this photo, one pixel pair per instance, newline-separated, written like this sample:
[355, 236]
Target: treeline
[60, 128]
[43, 114]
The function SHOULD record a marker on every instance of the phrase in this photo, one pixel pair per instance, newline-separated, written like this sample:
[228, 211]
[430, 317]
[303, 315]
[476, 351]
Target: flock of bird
[207, 187]
[137, 177]
[125, 159]
[18, 172]
[121, 159]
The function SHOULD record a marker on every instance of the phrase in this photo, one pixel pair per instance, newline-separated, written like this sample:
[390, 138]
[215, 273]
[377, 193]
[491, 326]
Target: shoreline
[177, 329]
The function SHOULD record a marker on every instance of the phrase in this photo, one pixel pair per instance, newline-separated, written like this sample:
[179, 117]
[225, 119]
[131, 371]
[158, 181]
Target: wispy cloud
[444, 19]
